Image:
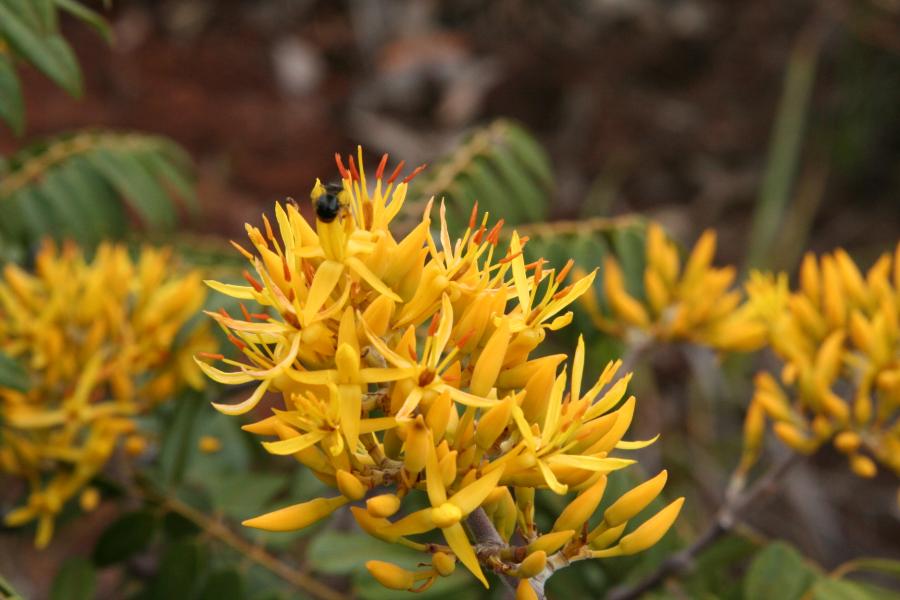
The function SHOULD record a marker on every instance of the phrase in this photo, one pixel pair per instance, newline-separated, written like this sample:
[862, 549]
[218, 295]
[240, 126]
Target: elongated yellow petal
[325, 280]
[651, 530]
[459, 543]
[470, 497]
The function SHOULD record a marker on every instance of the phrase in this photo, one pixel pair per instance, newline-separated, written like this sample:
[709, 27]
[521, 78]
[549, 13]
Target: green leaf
[68, 206]
[46, 13]
[340, 553]
[12, 107]
[133, 181]
[49, 53]
[76, 580]
[179, 572]
[170, 171]
[778, 573]
[877, 565]
[244, 494]
[223, 585]
[85, 14]
[180, 437]
[833, 589]
[125, 537]
[12, 374]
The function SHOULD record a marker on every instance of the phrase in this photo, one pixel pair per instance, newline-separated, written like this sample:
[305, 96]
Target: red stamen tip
[256, 285]
[380, 171]
[210, 356]
[494, 234]
[473, 216]
[396, 172]
[434, 324]
[340, 166]
[245, 312]
[565, 270]
[507, 259]
[238, 343]
[353, 170]
[415, 172]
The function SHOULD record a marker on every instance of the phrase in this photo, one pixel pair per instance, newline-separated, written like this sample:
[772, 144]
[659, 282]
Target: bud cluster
[691, 302]
[405, 367]
[97, 340]
[838, 338]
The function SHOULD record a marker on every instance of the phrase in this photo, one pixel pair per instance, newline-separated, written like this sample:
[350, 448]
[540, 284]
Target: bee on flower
[838, 339]
[97, 340]
[690, 301]
[403, 366]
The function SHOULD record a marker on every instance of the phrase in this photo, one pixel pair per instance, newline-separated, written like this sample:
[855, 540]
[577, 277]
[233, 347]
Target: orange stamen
[340, 166]
[353, 170]
[415, 172]
[240, 345]
[565, 270]
[210, 356]
[380, 171]
[432, 328]
[256, 285]
[246, 312]
[396, 172]
[473, 216]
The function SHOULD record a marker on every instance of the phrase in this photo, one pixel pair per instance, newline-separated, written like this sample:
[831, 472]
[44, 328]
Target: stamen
[396, 172]
[473, 216]
[246, 312]
[256, 285]
[340, 165]
[353, 170]
[241, 249]
[238, 343]
[415, 172]
[380, 171]
[211, 356]
[565, 270]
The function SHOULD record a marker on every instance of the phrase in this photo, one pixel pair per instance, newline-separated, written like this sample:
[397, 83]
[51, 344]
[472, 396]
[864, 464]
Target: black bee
[328, 205]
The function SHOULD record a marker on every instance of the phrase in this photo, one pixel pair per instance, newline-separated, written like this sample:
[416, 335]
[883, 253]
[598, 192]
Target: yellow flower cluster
[693, 302]
[97, 341]
[839, 339]
[403, 366]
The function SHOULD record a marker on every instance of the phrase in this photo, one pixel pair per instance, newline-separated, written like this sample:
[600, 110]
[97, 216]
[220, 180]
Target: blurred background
[775, 123]
[673, 108]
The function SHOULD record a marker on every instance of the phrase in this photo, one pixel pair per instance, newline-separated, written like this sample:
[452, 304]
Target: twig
[488, 541]
[736, 502]
[255, 553]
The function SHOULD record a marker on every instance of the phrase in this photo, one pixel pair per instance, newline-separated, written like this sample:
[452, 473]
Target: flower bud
[635, 500]
[417, 446]
[492, 423]
[533, 564]
[793, 437]
[443, 563]
[383, 506]
[847, 442]
[524, 591]
[390, 575]
[446, 515]
[298, 516]
[209, 444]
[603, 537]
[863, 466]
[551, 542]
[349, 485]
[652, 530]
[581, 508]
[89, 499]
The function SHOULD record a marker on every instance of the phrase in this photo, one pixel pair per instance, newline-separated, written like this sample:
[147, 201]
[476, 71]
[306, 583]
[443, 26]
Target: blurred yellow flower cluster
[403, 366]
[692, 302]
[97, 340]
[839, 340]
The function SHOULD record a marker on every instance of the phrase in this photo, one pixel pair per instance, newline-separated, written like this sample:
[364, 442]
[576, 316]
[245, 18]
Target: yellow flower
[407, 364]
[838, 338]
[98, 341]
[691, 302]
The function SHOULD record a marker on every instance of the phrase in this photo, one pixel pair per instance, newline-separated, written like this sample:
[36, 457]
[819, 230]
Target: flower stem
[736, 503]
[257, 554]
